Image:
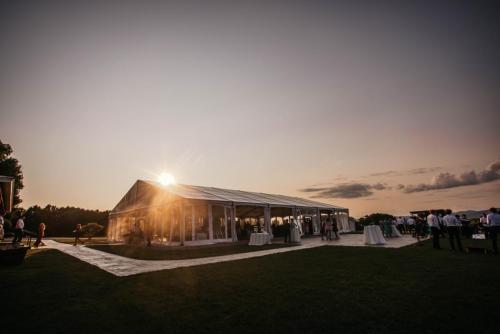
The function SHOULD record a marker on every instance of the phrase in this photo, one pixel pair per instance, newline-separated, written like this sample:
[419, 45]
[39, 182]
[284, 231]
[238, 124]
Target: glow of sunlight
[166, 179]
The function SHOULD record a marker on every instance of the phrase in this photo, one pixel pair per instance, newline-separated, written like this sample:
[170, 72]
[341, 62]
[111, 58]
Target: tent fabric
[240, 197]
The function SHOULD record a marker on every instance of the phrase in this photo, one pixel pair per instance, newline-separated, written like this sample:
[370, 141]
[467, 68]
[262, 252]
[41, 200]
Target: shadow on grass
[325, 289]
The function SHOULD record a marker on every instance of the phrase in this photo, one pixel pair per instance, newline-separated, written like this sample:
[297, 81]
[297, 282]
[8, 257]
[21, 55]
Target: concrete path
[123, 266]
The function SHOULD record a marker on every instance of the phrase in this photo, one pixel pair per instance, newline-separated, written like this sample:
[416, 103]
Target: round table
[259, 239]
[373, 235]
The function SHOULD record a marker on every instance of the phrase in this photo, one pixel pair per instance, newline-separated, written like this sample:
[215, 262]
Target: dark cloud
[346, 190]
[414, 171]
[447, 180]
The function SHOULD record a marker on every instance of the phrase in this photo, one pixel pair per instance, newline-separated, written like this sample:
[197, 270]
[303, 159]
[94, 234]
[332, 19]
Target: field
[181, 253]
[335, 289]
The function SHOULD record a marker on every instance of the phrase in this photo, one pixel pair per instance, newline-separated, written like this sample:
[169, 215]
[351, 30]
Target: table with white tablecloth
[395, 232]
[295, 235]
[373, 235]
[259, 239]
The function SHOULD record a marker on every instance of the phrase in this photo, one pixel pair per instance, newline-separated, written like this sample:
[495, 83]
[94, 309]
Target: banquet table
[373, 235]
[295, 235]
[395, 232]
[259, 239]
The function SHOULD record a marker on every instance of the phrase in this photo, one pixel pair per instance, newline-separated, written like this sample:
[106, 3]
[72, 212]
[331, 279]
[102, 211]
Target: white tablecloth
[373, 235]
[259, 239]
[395, 232]
[294, 235]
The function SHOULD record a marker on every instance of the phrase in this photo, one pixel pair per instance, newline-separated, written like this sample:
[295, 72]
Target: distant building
[184, 214]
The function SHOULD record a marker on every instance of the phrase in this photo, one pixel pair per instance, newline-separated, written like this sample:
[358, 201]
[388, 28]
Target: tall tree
[9, 166]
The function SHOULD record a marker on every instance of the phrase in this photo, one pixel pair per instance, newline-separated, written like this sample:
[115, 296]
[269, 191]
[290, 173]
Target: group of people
[328, 228]
[452, 224]
[19, 232]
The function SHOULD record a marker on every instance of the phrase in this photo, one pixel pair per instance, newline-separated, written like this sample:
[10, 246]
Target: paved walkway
[123, 266]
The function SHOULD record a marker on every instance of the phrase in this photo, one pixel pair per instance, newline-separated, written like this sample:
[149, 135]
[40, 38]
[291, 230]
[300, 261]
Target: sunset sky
[383, 106]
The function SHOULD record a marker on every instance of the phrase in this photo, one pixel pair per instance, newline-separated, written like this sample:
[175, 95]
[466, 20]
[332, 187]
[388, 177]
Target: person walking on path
[494, 228]
[41, 234]
[433, 223]
[453, 227]
[78, 234]
[18, 231]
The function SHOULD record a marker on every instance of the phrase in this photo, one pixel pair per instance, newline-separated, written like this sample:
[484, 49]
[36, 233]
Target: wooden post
[210, 223]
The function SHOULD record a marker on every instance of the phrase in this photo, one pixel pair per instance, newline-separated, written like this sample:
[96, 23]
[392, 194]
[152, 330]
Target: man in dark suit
[286, 226]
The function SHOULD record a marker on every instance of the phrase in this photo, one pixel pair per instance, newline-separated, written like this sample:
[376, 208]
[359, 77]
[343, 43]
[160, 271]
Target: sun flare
[166, 179]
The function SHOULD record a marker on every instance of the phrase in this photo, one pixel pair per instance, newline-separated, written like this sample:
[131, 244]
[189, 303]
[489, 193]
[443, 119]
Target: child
[78, 234]
[41, 234]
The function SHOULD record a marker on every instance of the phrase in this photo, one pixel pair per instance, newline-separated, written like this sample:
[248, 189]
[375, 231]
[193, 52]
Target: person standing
[322, 230]
[433, 223]
[41, 234]
[18, 231]
[494, 228]
[453, 227]
[286, 226]
[442, 226]
[335, 228]
[410, 224]
[483, 225]
[328, 229]
[400, 224]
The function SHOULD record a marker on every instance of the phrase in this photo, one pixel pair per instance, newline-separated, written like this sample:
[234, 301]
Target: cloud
[414, 171]
[447, 180]
[346, 190]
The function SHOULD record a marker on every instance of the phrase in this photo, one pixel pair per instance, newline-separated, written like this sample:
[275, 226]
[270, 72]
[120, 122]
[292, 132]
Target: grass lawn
[334, 289]
[181, 253]
[93, 241]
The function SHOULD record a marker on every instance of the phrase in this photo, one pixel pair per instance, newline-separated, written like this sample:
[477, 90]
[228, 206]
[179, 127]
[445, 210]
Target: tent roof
[239, 196]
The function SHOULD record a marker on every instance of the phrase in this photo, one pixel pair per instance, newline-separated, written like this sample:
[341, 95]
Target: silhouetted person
[483, 224]
[18, 231]
[453, 227]
[335, 228]
[78, 234]
[286, 226]
[494, 227]
[433, 223]
[41, 234]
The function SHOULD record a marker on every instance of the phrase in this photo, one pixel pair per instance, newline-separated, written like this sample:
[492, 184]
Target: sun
[166, 179]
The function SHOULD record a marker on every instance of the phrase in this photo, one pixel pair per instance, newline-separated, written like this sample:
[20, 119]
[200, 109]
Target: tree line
[59, 221]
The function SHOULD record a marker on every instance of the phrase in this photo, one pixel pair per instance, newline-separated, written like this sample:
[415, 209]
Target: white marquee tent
[187, 214]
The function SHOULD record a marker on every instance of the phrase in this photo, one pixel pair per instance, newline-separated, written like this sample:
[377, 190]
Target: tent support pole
[210, 223]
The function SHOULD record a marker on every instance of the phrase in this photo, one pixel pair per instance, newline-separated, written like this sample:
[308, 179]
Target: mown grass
[181, 253]
[326, 289]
